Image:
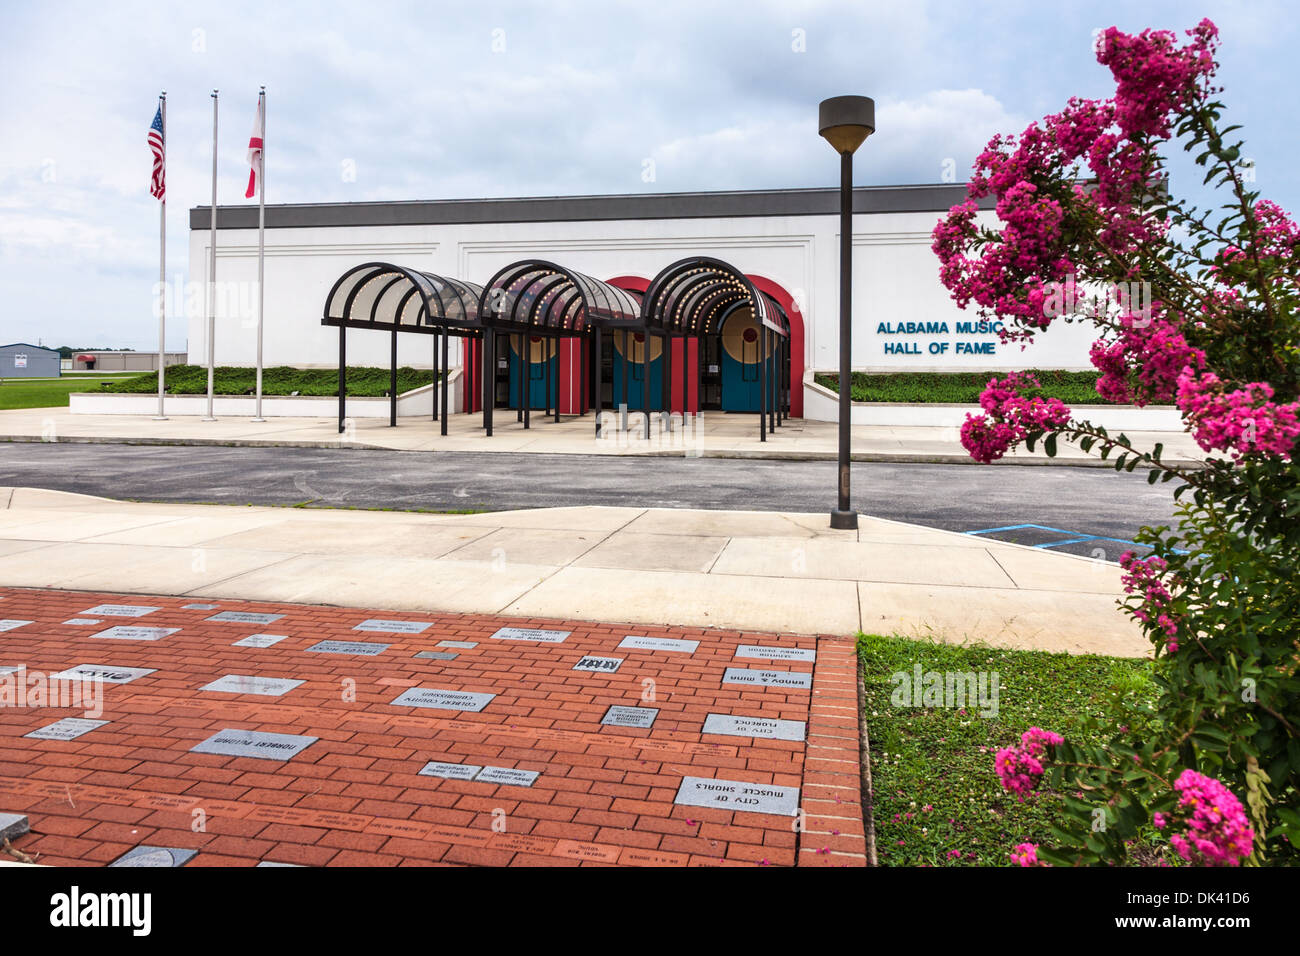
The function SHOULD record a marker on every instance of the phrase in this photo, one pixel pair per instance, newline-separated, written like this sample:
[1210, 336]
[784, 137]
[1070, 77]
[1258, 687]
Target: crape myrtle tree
[1209, 774]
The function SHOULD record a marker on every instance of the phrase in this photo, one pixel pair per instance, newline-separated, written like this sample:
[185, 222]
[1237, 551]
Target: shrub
[1200, 310]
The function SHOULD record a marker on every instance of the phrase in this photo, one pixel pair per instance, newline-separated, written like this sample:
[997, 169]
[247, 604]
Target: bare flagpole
[261, 250]
[212, 265]
[162, 266]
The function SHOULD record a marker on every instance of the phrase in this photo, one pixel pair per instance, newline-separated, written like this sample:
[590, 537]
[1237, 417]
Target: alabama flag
[255, 158]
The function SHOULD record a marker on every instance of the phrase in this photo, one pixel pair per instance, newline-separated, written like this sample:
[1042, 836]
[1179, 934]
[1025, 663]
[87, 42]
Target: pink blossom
[1144, 578]
[1215, 830]
[1019, 769]
[1242, 421]
[1025, 854]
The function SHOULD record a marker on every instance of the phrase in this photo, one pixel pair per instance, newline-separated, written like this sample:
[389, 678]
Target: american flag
[157, 184]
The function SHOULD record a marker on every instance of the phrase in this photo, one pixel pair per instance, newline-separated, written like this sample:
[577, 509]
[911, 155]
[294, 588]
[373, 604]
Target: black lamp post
[845, 122]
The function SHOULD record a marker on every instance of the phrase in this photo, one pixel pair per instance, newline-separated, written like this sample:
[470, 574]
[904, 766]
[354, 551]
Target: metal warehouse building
[22, 360]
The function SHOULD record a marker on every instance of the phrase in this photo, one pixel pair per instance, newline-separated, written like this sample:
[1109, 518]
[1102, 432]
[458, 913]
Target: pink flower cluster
[1143, 363]
[1025, 854]
[1020, 768]
[1154, 76]
[1032, 175]
[1010, 417]
[1145, 578]
[1214, 825]
[1243, 421]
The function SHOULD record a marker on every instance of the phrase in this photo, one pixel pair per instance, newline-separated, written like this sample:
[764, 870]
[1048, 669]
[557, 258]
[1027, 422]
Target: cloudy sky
[434, 100]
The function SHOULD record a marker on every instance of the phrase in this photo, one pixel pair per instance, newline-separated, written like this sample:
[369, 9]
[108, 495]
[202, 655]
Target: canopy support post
[762, 383]
[598, 398]
[442, 381]
[645, 380]
[489, 360]
[343, 372]
[392, 381]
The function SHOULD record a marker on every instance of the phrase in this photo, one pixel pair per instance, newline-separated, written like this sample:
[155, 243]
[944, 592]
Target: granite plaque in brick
[443, 699]
[393, 627]
[120, 610]
[620, 716]
[11, 668]
[770, 653]
[199, 607]
[260, 640]
[463, 645]
[274, 863]
[83, 621]
[507, 776]
[12, 625]
[244, 684]
[69, 728]
[360, 648]
[659, 644]
[437, 655]
[531, 634]
[450, 771]
[104, 672]
[244, 617]
[741, 675]
[603, 665]
[254, 743]
[121, 632]
[767, 727]
[164, 856]
[738, 795]
[13, 825]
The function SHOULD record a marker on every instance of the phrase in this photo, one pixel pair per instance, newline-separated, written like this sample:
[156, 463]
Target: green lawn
[938, 801]
[53, 392]
[1073, 388]
[277, 380]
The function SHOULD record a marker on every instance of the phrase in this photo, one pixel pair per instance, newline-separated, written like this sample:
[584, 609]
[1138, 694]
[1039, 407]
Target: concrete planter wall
[418, 402]
[821, 404]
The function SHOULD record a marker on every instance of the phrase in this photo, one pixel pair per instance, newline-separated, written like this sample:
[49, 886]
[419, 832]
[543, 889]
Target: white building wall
[895, 280]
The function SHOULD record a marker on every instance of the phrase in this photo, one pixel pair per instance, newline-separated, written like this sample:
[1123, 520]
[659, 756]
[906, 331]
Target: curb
[737, 454]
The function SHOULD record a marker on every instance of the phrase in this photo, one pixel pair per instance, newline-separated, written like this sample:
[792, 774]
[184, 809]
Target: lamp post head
[845, 121]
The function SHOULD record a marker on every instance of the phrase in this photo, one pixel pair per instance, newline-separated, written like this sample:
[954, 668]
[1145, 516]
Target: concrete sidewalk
[745, 570]
[713, 435]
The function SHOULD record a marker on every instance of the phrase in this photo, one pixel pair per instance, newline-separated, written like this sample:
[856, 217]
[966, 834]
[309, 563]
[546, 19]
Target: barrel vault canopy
[693, 296]
[382, 295]
[539, 296]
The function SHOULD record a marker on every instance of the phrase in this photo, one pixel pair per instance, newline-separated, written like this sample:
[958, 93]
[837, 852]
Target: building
[786, 242]
[22, 360]
[97, 360]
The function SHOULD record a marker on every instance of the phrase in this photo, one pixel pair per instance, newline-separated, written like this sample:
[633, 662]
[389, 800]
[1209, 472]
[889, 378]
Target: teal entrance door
[536, 387]
[630, 366]
[741, 390]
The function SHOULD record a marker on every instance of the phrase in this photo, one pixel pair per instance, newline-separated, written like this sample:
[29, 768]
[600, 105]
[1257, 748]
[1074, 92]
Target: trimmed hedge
[1073, 388]
[363, 382]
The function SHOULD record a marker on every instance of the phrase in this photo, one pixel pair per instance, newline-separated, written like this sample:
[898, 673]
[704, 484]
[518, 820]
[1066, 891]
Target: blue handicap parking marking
[1063, 537]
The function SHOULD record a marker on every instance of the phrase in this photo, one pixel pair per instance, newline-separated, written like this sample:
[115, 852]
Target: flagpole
[261, 251]
[212, 265]
[162, 266]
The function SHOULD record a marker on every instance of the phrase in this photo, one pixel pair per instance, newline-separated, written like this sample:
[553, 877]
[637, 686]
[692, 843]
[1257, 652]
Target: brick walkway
[603, 793]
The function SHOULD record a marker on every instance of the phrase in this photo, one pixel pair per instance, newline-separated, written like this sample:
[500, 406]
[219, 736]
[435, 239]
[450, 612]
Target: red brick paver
[604, 794]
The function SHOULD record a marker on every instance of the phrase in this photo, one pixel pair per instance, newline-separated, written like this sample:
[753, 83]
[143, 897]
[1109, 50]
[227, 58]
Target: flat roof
[938, 197]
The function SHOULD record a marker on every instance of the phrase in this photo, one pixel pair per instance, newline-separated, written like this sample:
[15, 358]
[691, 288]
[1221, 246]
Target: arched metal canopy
[694, 295]
[534, 295]
[381, 295]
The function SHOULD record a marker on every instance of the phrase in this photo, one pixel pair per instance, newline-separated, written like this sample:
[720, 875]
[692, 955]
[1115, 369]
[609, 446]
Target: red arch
[786, 301]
